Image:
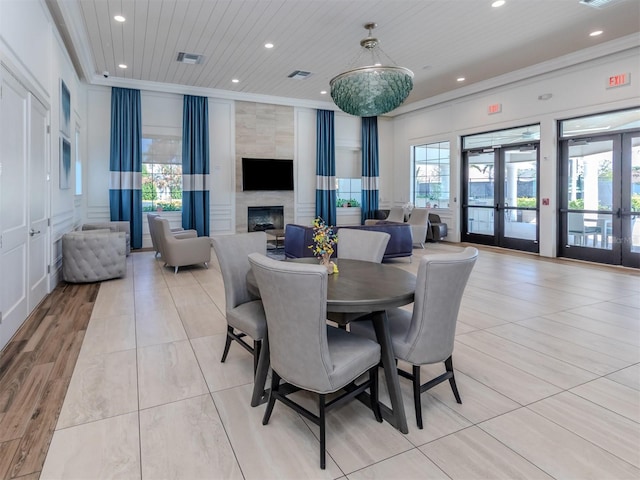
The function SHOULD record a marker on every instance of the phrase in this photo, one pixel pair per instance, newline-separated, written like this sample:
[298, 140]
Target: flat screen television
[267, 174]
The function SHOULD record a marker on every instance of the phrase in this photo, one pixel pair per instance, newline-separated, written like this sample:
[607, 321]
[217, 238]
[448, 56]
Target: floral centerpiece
[324, 239]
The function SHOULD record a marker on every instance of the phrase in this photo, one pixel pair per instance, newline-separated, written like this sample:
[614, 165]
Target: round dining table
[358, 287]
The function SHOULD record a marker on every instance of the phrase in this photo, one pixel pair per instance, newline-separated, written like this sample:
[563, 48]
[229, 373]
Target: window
[431, 175]
[348, 192]
[348, 176]
[161, 173]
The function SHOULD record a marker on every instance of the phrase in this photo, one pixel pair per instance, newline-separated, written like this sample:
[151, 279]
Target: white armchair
[419, 221]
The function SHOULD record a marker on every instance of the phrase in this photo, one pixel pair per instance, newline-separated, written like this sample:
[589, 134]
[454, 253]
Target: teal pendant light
[374, 89]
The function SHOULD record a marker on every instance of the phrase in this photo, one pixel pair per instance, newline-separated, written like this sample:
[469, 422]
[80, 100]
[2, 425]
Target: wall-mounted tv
[267, 174]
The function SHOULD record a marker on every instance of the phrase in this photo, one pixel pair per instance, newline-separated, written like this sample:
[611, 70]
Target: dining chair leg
[374, 392]
[260, 377]
[227, 343]
[257, 345]
[275, 384]
[321, 418]
[448, 365]
[416, 395]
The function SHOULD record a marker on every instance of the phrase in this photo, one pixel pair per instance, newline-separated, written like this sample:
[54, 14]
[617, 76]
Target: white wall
[578, 90]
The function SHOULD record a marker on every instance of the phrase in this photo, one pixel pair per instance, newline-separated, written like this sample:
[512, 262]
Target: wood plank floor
[124, 380]
[35, 371]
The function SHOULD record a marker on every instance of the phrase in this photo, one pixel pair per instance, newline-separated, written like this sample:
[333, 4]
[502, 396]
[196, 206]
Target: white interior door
[38, 154]
[14, 223]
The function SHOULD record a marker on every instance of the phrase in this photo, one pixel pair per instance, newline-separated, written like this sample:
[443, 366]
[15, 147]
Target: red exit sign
[494, 108]
[619, 80]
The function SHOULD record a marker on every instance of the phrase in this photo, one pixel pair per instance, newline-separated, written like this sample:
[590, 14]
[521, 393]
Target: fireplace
[265, 218]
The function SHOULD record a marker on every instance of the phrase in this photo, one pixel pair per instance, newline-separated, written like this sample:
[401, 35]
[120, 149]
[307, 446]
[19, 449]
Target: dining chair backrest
[367, 245]
[440, 283]
[294, 296]
[396, 214]
[232, 252]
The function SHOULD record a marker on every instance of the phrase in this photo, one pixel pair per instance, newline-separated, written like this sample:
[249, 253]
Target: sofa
[93, 255]
[297, 239]
[437, 229]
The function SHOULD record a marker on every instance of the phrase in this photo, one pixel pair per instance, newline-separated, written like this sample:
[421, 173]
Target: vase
[328, 264]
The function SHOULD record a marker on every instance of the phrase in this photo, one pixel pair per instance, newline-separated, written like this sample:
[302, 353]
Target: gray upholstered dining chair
[419, 221]
[355, 244]
[426, 336]
[244, 311]
[305, 352]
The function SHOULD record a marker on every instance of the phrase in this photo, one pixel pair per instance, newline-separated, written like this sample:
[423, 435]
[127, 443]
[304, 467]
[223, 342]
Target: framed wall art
[65, 109]
[65, 163]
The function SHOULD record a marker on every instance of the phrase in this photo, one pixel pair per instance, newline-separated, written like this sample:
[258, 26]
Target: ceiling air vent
[299, 74]
[599, 3]
[189, 58]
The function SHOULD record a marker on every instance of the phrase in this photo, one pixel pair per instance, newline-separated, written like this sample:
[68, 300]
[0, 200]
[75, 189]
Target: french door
[600, 199]
[500, 205]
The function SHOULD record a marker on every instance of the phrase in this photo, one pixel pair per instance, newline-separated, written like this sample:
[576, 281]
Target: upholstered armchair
[178, 252]
[177, 232]
[419, 221]
[114, 226]
[93, 255]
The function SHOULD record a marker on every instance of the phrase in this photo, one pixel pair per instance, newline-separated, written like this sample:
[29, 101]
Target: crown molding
[97, 79]
[619, 45]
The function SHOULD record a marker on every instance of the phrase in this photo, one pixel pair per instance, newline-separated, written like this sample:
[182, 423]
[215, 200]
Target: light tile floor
[547, 365]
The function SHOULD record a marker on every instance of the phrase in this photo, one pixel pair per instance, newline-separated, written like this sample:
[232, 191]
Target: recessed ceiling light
[497, 3]
[119, 18]
[323, 92]
[268, 45]
[235, 80]
[595, 33]
[460, 79]
[122, 65]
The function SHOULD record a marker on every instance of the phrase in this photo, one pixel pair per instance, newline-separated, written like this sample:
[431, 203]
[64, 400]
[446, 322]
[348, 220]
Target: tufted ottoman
[93, 255]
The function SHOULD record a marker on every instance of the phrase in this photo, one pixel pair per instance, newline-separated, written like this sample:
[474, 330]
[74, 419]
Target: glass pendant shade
[371, 90]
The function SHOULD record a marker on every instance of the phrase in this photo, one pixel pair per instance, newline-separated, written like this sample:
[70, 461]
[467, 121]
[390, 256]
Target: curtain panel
[195, 164]
[125, 162]
[325, 167]
[370, 167]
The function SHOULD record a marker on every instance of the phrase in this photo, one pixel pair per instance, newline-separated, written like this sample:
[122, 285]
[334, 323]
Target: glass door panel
[589, 202]
[630, 209]
[479, 205]
[520, 195]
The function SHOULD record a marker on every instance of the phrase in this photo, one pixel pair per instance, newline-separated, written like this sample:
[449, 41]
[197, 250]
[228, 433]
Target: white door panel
[14, 225]
[38, 192]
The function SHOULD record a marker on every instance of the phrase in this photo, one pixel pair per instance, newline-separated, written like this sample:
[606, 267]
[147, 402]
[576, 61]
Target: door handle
[33, 232]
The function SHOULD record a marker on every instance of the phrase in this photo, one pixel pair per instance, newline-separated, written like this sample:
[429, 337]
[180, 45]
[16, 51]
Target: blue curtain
[370, 169]
[325, 167]
[195, 164]
[125, 163]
